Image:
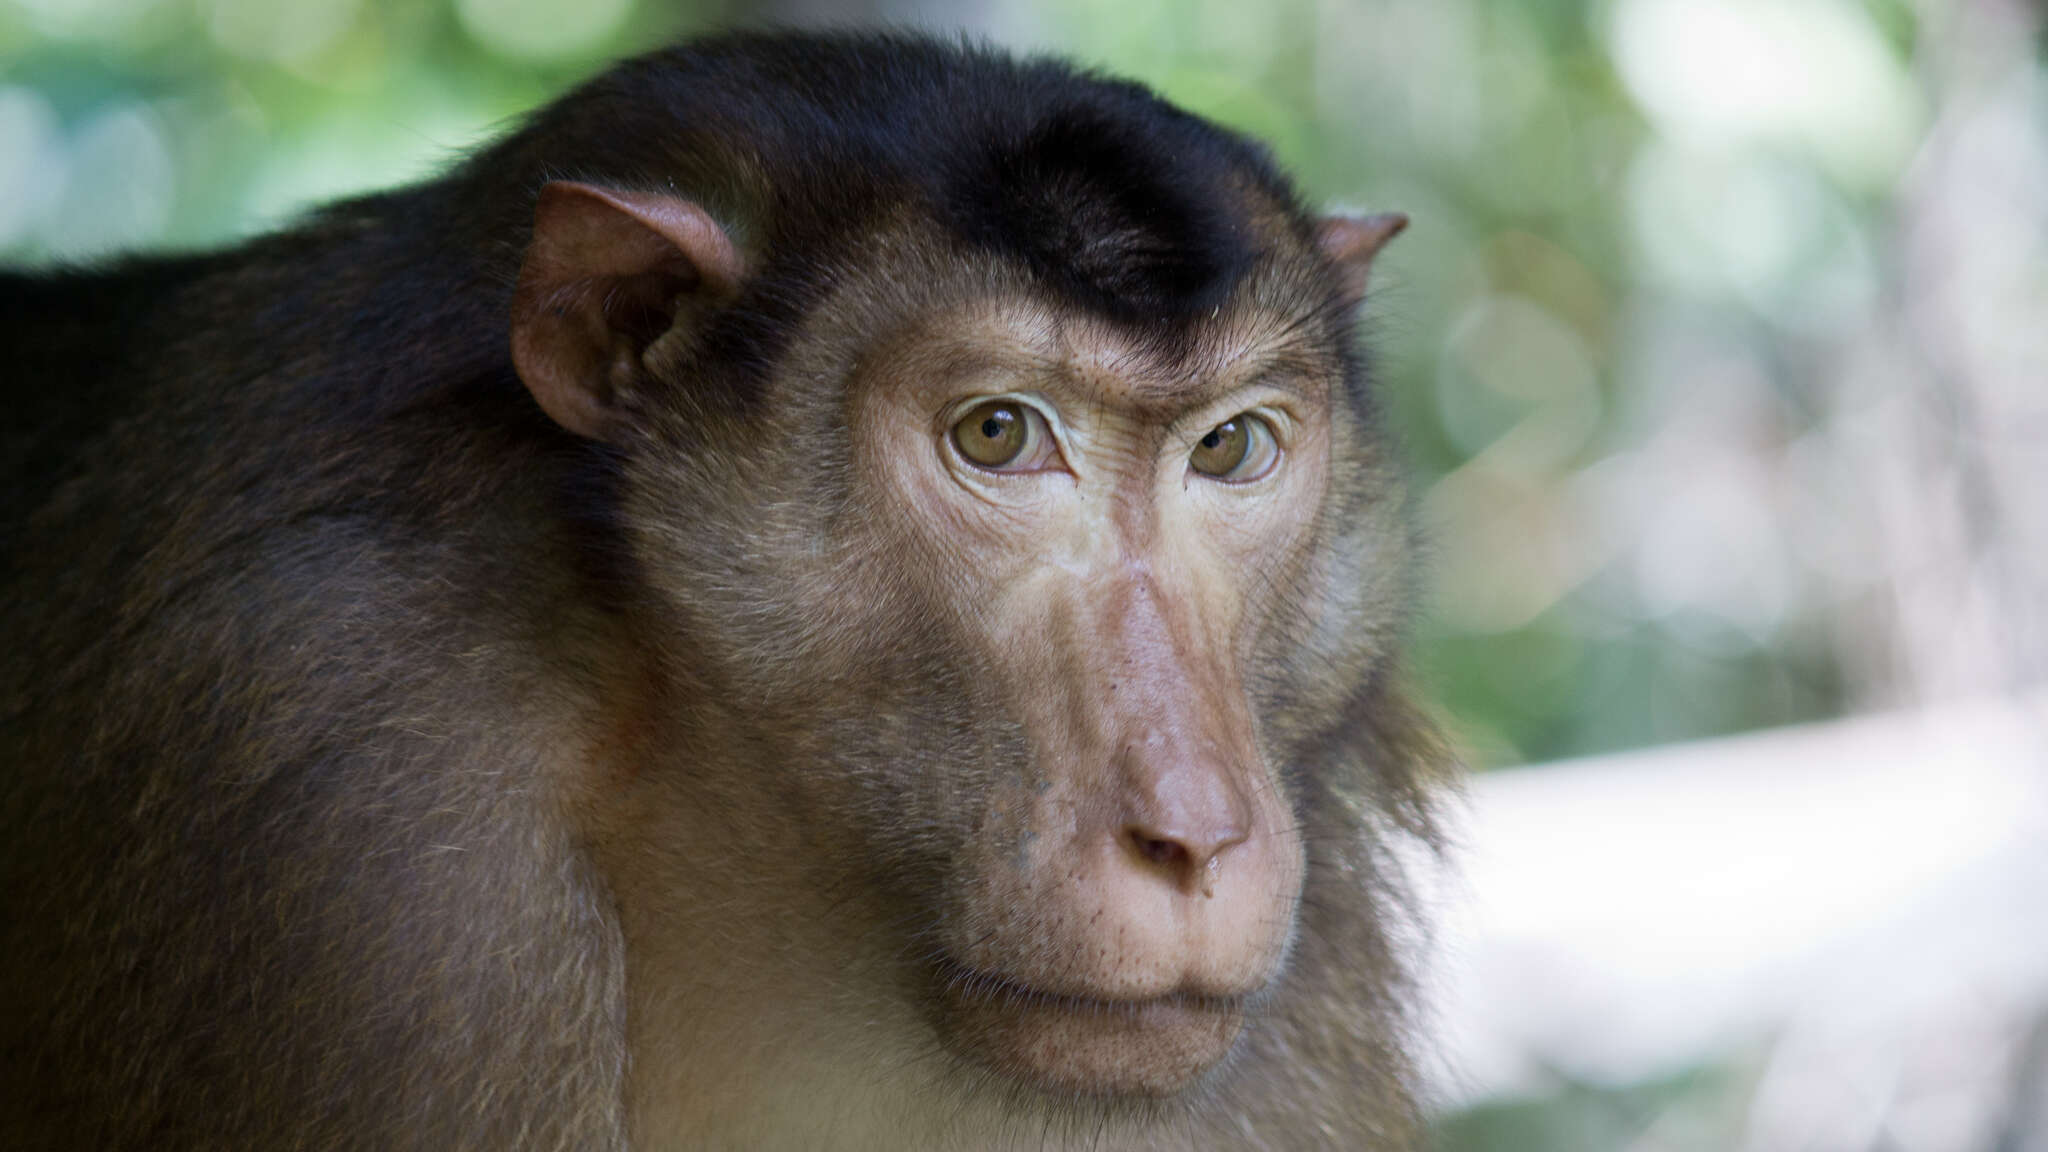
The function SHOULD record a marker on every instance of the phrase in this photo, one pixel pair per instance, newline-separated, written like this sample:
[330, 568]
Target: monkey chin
[1074, 1046]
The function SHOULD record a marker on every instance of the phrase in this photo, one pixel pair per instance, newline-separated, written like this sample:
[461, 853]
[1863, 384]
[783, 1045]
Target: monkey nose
[1184, 806]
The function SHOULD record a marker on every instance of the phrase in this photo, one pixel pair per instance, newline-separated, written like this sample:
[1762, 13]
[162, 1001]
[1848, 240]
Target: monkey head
[1012, 553]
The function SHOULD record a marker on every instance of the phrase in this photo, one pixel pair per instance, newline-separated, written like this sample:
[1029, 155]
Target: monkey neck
[759, 1014]
[749, 1023]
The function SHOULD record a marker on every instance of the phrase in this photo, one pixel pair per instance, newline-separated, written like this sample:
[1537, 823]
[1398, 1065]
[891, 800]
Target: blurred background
[1719, 346]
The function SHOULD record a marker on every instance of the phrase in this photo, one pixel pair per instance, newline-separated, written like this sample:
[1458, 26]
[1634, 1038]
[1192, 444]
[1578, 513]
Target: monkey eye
[1004, 436]
[1241, 449]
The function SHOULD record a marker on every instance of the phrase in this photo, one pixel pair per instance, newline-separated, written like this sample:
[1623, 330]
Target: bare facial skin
[827, 592]
[1132, 887]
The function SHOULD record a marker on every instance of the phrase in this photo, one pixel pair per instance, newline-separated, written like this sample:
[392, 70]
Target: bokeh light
[1719, 350]
[542, 29]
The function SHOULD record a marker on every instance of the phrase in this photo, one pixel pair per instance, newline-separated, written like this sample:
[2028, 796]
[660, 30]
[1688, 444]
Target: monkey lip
[1076, 1044]
[970, 984]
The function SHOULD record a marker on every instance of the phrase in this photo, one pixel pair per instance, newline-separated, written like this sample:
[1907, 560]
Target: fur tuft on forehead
[1125, 214]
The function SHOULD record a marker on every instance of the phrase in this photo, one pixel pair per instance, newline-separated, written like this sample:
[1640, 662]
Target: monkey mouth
[973, 984]
[1077, 1044]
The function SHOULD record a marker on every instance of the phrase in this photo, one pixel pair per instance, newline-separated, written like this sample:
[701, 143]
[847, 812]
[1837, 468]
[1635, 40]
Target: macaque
[826, 592]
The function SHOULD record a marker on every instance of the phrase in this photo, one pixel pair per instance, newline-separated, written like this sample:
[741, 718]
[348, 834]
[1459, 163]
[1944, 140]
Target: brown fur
[390, 768]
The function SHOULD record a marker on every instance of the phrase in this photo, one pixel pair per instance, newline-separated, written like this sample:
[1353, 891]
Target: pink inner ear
[693, 233]
[1351, 242]
[598, 285]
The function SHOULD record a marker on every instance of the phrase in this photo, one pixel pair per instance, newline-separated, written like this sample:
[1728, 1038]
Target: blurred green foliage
[180, 123]
[1595, 220]
[1649, 344]
[1699, 1109]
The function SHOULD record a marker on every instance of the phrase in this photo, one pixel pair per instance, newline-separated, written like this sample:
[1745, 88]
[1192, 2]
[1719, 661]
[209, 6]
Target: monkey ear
[603, 279]
[1350, 243]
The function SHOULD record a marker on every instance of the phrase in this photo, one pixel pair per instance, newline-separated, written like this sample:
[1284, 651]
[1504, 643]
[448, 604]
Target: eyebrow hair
[1287, 366]
[1076, 355]
[1293, 383]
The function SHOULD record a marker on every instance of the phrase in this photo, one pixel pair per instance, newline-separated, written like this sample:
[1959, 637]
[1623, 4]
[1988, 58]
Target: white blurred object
[1865, 901]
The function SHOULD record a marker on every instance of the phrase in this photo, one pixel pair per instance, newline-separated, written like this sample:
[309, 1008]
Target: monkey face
[1104, 539]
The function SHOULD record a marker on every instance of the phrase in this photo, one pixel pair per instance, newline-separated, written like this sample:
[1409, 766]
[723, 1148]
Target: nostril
[1159, 850]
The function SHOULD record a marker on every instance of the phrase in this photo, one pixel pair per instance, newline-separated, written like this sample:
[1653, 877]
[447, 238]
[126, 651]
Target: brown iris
[1238, 450]
[1223, 448]
[992, 434]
